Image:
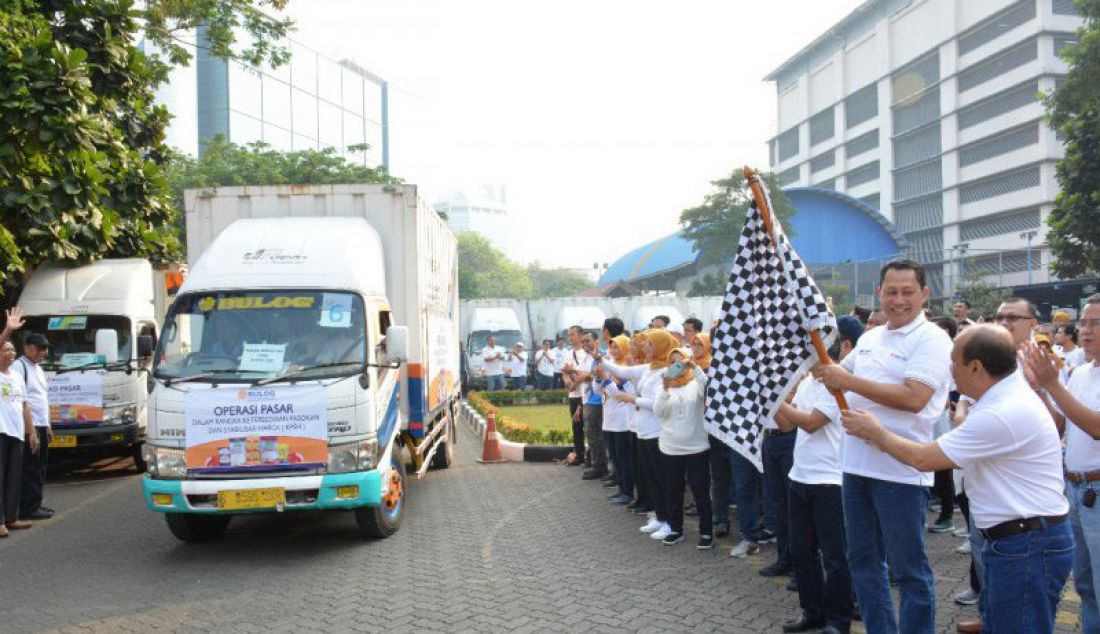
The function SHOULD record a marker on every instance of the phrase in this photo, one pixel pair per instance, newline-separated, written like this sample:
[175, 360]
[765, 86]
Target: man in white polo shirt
[1079, 400]
[492, 364]
[35, 347]
[899, 372]
[1010, 453]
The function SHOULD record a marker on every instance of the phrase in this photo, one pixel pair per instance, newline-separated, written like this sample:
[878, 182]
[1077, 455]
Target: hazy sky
[604, 118]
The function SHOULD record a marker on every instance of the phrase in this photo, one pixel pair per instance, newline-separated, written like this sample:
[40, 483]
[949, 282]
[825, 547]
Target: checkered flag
[762, 344]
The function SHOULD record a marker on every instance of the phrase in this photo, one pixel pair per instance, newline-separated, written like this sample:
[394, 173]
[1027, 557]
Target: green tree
[709, 285]
[984, 298]
[714, 226]
[1074, 111]
[555, 282]
[483, 271]
[842, 298]
[82, 149]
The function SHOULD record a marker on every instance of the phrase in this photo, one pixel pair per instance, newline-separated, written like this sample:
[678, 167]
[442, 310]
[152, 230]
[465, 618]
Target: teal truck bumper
[303, 493]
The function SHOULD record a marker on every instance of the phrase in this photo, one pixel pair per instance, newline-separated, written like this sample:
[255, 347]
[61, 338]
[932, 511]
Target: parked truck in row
[311, 352]
[101, 320]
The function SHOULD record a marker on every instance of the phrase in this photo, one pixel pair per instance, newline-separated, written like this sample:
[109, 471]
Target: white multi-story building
[483, 210]
[929, 111]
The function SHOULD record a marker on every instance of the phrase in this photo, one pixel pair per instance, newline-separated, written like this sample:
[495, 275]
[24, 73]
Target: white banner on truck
[76, 398]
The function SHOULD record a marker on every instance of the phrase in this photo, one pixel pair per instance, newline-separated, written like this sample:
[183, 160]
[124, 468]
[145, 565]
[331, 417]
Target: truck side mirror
[145, 346]
[397, 344]
[106, 345]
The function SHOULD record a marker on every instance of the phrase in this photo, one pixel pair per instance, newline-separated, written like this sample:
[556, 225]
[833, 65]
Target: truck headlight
[165, 462]
[354, 456]
[120, 414]
[368, 454]
[342, 458]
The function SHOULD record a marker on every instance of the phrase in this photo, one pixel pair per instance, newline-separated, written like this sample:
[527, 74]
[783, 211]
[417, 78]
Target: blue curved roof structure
[829, 227]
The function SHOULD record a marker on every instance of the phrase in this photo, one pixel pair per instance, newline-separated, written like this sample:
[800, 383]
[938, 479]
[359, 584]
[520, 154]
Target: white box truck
[101, 320]
[502, 325]
[315, 339]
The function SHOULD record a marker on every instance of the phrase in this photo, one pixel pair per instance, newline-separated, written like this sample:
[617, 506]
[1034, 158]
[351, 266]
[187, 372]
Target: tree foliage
[82, 151]
[714, 226]
[708, 285]
[555, 282]
[483, 271]
[224, 163]
[1074, 111]
[984, 298]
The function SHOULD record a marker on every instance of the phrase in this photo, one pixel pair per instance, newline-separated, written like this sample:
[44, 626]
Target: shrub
[517, 431]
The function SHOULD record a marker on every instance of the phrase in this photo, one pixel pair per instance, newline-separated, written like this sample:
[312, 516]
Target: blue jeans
[817, 553]
[721, 480]
[1085, 523]
[778, 454]
[543, 382]
[1024, 576]
[518, 382]
[494, 382]
[885, 520]
[746, 492]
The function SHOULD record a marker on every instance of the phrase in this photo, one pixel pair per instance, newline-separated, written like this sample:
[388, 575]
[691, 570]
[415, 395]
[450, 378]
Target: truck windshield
[503, 339]
[254, 335]
[72, 337]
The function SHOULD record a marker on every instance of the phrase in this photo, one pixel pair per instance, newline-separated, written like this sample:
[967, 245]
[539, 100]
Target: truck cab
[101, 321]
[499, 323]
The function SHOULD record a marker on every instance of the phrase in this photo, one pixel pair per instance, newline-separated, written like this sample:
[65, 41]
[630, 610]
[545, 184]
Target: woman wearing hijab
[656, 345]
[684, 445]
[616, 424]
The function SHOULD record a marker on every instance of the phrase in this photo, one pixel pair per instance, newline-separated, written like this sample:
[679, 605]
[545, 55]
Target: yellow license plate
[236, 500]
[63, 441]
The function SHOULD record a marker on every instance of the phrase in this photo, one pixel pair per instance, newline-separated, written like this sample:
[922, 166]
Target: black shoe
[673, 538]
[641, 510]
[610, 484]
[706, 542]
[593, 475]
[40, 514]
[803, 624]
[775, 570]
[691, 511]
[792, 585]
[47, 509]
[721, 529]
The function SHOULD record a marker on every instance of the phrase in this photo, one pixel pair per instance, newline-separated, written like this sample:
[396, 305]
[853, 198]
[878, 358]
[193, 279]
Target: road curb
[511, 451]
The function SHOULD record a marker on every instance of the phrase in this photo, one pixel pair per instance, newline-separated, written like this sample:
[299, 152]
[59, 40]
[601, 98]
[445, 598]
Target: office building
[312, 102]
[482, 210]
[929, 111]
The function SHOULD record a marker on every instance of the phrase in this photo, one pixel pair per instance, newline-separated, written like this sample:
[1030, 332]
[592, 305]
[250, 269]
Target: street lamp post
[962, 247]
[1029, 236]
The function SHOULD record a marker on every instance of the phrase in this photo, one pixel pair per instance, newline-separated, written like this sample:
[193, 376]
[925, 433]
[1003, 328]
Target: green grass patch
[543, 418]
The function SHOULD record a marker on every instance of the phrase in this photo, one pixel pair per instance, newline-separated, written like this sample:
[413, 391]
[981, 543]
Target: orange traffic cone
[490, 451]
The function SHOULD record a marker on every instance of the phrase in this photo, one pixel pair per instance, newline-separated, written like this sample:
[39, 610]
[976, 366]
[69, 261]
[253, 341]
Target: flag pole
[756, 184]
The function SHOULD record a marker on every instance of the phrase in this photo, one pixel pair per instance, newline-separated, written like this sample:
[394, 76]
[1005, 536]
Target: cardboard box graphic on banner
[270, 428]
[76, 398]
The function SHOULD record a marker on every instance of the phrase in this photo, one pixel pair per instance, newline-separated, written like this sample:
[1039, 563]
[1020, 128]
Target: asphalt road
[487, 548]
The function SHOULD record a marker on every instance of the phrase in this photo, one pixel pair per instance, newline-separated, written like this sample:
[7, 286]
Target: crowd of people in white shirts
[1006, 414]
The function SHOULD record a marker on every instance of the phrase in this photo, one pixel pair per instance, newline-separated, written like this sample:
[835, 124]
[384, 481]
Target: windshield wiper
[194, 377]
[96, 364]
[296, 373]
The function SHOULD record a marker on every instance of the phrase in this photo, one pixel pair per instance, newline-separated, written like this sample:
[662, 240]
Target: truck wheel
[139, 459]
[195, 529]
[445, 455]
[381, 521]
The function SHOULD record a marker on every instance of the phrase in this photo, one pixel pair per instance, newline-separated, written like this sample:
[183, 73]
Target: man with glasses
[1080, 401]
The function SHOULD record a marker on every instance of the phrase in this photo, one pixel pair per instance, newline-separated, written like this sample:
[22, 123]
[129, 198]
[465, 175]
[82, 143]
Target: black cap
[36, 339]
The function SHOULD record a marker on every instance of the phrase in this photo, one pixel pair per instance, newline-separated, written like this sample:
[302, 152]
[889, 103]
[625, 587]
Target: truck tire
[139, 459]
[445, 454]
[379, 522]
[195, 529]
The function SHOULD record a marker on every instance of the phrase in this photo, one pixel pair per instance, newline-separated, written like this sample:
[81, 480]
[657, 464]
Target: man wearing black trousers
[35, 347]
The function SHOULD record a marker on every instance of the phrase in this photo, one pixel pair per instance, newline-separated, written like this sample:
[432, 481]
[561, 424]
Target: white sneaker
[961, 532]
[967, 597]
[652, 526]
[965, 548]
[744, 548]
[664, 531]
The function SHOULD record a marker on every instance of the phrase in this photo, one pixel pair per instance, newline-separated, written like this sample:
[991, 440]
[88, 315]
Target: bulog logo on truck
[274, 256]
